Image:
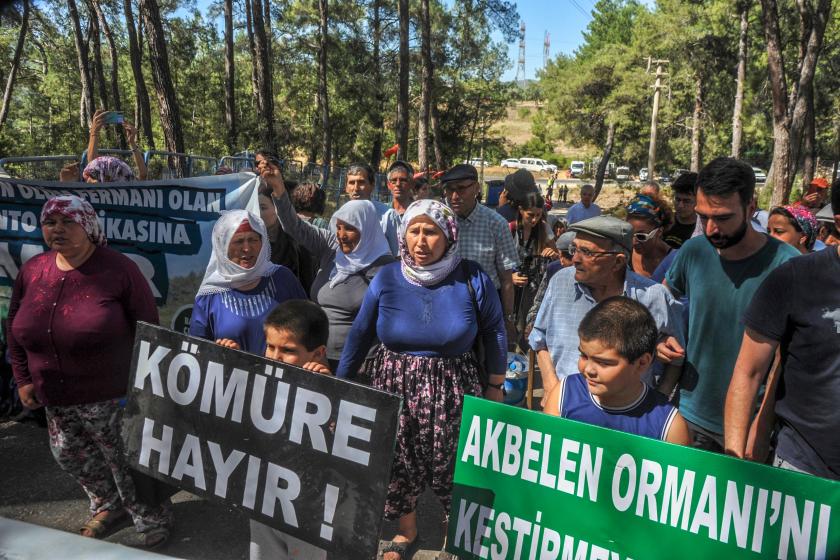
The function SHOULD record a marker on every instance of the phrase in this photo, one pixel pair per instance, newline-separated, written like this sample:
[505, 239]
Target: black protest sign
[304, 453]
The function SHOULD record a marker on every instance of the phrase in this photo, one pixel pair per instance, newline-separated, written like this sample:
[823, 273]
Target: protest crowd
[688, 315]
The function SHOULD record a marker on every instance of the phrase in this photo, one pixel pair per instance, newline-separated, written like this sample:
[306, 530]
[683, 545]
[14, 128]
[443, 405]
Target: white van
[577, 168]
[536, 164]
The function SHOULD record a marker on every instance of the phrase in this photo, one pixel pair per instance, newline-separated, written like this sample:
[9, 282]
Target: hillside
[516, 130]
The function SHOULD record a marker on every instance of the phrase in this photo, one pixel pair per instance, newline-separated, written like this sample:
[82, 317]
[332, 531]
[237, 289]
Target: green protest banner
[537, 487]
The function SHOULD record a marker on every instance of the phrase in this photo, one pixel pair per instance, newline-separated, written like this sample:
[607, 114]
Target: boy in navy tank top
[617, 344]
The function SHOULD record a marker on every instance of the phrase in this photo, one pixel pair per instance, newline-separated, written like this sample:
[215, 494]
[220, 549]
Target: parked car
[678, 172]
[760, 175]
[478, 162]
[664, 177]
[537, 165]
[622, 173]
[577, 168]
[643, 174]
[511, 163]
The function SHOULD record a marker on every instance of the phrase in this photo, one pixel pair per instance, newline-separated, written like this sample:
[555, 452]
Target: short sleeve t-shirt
[798, 305]
[719, 291]
[679, 234]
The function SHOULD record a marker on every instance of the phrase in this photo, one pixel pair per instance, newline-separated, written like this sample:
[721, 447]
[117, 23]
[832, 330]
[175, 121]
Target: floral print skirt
[433, 390]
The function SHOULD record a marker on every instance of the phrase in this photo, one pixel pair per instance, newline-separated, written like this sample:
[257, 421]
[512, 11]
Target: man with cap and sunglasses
[484, 235]
[600, 252]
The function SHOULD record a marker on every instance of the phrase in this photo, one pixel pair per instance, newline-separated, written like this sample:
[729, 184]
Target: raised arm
[96, 125]
[131, 135]
[320, 242]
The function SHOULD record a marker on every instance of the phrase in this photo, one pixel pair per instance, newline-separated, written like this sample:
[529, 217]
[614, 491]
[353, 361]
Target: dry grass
[516, 130]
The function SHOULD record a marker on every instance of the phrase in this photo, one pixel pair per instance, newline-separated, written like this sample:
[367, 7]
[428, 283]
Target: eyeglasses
[645, 237]
[450, 188]
[589, 254]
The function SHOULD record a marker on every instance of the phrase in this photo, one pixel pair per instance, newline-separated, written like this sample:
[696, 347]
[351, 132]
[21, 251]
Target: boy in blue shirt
[296, 333]
[617, 344]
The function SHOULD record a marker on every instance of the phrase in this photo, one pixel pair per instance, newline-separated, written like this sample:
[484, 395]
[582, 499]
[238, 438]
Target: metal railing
[35, 167]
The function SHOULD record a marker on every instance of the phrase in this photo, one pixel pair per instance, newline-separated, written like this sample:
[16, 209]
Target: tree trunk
[425, 86]
[144, 116]
[440, 161]
[377, 118]
[10, 81]
[249, 30]
[697, 126]
[326, 133]
[96, 47]
[789, 111]
[402, 99]
[86, 103]
[605, 159]
[743, 48]
[116, 104]
[809, 143]
[230, 80]
[262, 73]
[170, 115]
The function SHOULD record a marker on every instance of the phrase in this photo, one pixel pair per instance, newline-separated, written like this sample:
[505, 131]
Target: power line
[580, 9]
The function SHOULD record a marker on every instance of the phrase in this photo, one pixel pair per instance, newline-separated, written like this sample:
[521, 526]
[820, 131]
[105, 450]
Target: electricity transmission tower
[546, 49]
[520, 67]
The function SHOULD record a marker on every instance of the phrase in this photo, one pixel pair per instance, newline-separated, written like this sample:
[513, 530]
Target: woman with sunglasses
[650, 216]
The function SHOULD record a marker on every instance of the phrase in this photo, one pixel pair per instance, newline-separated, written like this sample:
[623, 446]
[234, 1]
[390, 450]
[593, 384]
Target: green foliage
[468, 92]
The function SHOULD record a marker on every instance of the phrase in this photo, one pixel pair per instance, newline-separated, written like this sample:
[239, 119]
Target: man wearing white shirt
[585, 208]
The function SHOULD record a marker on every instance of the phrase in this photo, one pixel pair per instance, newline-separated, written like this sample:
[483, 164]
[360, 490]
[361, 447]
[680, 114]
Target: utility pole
[657, 88]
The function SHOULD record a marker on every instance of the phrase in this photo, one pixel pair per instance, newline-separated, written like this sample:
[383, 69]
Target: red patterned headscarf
[78, 210]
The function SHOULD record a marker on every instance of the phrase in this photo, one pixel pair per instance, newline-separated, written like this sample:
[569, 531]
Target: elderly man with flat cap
[600, 252]
[484, 235]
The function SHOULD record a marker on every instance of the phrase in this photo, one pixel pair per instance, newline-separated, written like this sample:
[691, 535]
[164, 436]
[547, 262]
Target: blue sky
[565, 20]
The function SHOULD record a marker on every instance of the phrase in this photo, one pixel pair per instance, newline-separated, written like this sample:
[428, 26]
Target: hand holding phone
[114, 117]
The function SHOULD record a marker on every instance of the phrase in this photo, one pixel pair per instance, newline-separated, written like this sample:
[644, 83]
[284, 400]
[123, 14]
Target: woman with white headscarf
[350, 253]
[241, 285]
[427, 310]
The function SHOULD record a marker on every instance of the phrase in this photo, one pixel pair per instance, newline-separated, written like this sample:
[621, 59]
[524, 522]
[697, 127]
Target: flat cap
[607, 227]
[519, 184]
[460, 172]
[564, 241]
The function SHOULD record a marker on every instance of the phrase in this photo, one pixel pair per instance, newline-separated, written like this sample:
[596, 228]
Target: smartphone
[114, 117]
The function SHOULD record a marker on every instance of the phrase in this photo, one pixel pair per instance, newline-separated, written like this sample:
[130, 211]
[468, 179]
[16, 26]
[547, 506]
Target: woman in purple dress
[72, 316]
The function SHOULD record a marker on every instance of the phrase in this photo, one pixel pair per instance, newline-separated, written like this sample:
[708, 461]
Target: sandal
[406, 549]
[153, 538]
[106, 525]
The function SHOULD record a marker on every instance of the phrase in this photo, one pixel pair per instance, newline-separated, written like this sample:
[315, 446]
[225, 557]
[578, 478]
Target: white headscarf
[445, 219]
[361, 214]
[224, 275]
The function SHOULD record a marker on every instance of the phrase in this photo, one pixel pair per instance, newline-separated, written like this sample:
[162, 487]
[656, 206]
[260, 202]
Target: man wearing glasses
[484, 235]
[685, 218]
[600, 252]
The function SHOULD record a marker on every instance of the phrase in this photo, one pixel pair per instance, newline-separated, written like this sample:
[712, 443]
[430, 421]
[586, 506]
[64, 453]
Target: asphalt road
[34, 489]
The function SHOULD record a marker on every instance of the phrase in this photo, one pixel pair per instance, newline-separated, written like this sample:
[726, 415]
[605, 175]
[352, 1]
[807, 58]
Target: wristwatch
[499, 386]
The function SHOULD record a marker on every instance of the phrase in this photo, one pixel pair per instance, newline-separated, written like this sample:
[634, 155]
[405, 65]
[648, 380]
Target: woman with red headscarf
[72, 318]
[241, 285]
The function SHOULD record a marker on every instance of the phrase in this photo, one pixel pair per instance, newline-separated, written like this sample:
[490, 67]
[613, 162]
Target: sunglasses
[645, 237]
